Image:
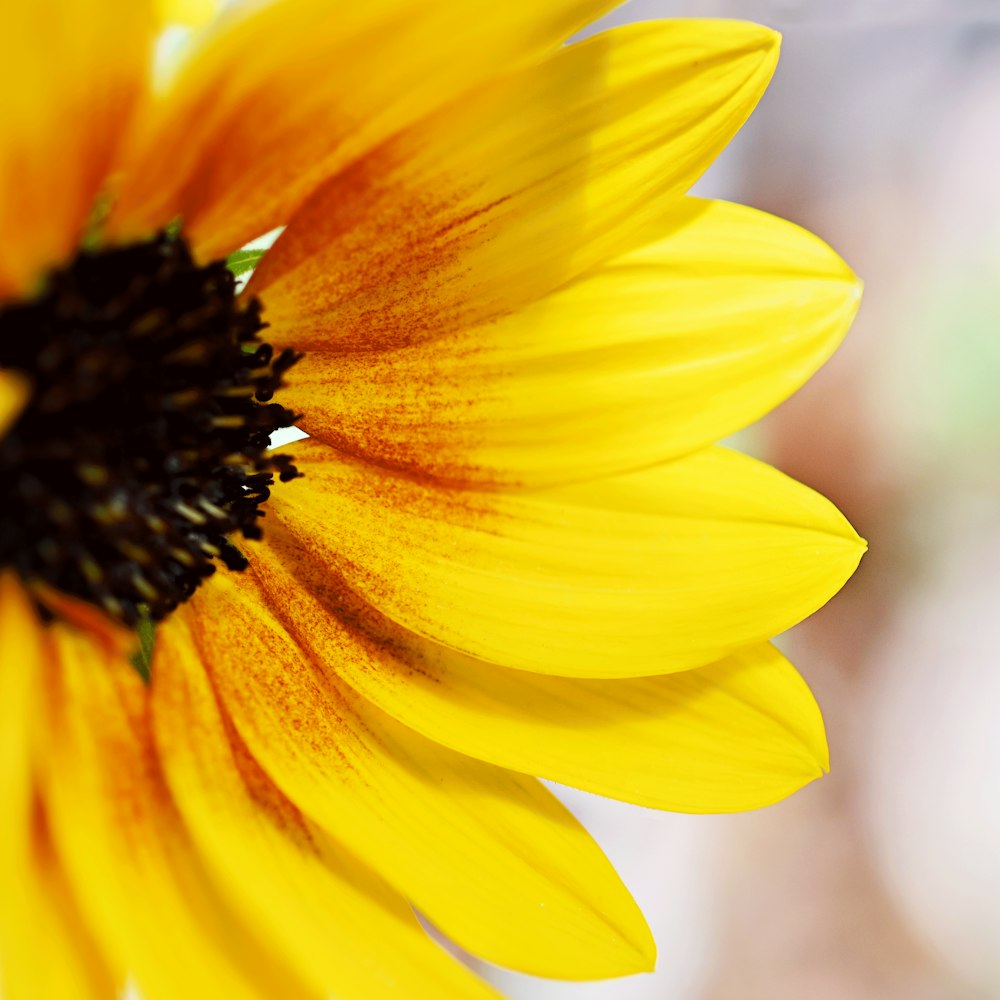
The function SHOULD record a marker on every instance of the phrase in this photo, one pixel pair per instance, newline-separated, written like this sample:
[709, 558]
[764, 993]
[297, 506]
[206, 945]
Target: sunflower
[509, 547]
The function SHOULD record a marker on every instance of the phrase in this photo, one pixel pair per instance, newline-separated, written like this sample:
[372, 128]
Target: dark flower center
[143, 447]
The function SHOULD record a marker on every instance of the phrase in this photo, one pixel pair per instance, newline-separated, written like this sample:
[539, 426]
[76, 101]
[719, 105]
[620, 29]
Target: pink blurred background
[881, 132]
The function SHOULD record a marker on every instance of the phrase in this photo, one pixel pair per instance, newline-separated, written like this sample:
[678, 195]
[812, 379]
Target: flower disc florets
[144, 443]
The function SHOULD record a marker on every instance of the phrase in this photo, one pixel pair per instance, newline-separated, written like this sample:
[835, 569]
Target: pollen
[142, 457]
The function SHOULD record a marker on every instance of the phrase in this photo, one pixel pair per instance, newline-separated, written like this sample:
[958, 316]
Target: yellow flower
[513, 550]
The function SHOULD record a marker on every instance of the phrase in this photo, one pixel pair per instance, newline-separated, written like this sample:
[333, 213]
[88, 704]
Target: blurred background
[880, 132]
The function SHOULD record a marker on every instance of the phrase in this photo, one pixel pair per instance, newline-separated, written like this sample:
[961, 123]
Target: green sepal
[243, 261]
[142, 658]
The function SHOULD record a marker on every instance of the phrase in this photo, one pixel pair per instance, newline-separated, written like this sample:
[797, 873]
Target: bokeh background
[881, 132]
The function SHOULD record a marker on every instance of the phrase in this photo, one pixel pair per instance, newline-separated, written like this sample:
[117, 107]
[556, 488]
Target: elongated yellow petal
[21, 648]
[50, 953]
[489, 856]
[349, 934]
[512, 191]
[644, 573]
[45, 951]
[73, 70]
[277, 97]
[654, 354]
[141, 884]
[739, 734]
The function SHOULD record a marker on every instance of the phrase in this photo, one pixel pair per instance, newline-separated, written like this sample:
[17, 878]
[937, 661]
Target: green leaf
[245, 260]
[142, 658]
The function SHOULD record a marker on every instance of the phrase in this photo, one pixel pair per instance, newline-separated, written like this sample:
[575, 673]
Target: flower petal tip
[647, 955]
[770, 40]
[853, 293]
[753, 37]
[638, 954]
[744, 34]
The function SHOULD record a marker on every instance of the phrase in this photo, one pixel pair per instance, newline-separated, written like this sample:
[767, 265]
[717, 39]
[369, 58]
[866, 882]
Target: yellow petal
[654, 354]
[347, 932]
[490, 857]
[277, 97]
[187, 12]
[50, 953]
[140, 882]
[644, 573]
[14, 392]
[20, 652]
[515, 189]
[739, 734]
[73, 70]
[45, 951]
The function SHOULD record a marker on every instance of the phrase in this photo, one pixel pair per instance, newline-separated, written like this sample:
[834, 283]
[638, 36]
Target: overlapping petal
[142, 885]
[73, 72]
[653, 354]
[44, 948]
[50, 951]
[276, 97]
[487, 855]
[349, 934]
[737, 734]
[639, 574]
[513, 190]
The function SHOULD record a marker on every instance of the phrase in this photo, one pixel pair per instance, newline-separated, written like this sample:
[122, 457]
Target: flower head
[509, 548]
